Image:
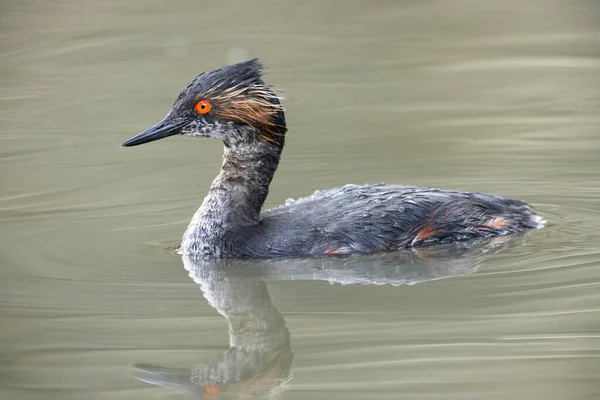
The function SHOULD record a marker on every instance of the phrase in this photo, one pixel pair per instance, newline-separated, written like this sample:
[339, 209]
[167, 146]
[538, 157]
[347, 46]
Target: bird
[233, 104]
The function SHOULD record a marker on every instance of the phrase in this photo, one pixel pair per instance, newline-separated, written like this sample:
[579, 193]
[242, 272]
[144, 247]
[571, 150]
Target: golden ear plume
[254, 105]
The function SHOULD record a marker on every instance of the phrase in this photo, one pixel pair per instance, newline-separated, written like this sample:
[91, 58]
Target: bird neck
[235, 198]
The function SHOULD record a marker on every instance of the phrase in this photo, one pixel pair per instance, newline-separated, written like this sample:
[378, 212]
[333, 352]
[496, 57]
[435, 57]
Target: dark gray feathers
[371, 218]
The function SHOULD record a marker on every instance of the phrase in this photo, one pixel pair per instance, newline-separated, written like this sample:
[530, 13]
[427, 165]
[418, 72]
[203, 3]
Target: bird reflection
[259, 360]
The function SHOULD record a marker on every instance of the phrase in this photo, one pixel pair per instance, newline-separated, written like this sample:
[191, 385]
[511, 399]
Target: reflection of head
[259, 361]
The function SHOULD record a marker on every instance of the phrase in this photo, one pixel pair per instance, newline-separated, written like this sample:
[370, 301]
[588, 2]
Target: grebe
[233, 104]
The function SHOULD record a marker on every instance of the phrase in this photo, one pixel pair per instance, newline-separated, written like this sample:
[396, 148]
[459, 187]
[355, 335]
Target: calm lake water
[499, 97]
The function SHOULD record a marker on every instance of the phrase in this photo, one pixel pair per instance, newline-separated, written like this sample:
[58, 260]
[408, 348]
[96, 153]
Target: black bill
[161, 130]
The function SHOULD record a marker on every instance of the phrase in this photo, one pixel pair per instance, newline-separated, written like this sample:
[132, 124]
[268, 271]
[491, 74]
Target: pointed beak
[166, 127]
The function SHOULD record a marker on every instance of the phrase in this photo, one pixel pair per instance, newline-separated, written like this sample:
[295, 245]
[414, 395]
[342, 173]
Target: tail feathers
[522, 216]
[468, 220]
[537, 221]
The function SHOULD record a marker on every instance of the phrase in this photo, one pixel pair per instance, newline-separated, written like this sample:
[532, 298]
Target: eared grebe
[234, 104]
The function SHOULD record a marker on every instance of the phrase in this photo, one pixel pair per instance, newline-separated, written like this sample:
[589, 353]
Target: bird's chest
[204, 234]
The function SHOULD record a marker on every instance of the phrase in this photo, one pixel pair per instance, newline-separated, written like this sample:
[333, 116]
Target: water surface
[499, 98]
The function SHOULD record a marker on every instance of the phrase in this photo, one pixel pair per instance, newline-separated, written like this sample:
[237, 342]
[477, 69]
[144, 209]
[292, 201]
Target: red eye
[202, 107]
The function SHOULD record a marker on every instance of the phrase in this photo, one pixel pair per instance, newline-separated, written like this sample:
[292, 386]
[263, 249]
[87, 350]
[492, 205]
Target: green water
[494, 97]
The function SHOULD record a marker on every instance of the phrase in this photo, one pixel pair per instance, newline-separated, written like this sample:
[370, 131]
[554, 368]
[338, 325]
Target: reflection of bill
[260, 356]
[259, 361]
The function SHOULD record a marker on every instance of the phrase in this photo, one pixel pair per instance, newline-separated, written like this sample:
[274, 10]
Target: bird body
[234, 105]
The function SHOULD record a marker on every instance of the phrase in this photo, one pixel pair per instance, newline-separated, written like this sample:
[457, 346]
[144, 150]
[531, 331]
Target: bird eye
[202, 107]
